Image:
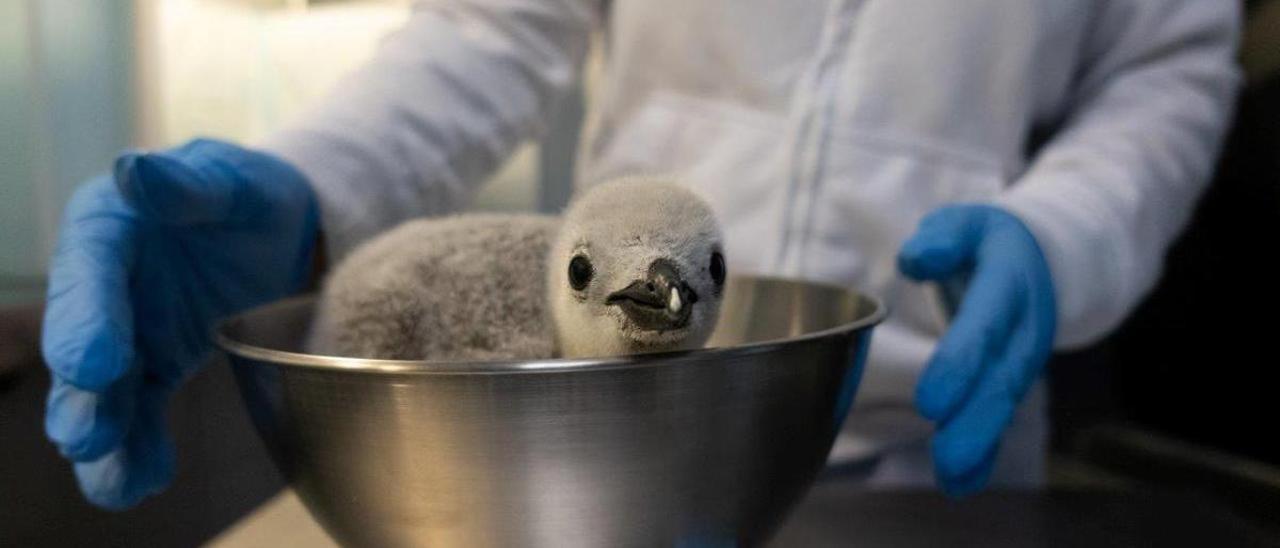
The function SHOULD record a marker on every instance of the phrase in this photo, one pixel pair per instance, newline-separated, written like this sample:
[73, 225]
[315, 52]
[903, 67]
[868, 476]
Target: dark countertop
[19, 336]
[839, 513]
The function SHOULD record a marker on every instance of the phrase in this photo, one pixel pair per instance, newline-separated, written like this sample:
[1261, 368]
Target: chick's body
[476, 292]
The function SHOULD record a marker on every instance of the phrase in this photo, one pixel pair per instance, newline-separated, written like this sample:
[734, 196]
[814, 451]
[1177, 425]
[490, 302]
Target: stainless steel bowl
[709, 447]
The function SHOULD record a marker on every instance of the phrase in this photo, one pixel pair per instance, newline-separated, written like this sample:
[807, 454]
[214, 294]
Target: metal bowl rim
[545, 365]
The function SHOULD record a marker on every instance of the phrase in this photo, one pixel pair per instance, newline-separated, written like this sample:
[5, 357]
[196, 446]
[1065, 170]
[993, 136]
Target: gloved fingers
[175, 339]
[969, 440]
[971, 482]
[1025, 354]
[965, 446]
[87, 425]
[88, 321]
[988, 313]
[142, 466]
[198, 183]
[944, 244]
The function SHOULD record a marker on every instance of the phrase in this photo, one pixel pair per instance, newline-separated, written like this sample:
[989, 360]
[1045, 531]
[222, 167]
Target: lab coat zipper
[815, 104]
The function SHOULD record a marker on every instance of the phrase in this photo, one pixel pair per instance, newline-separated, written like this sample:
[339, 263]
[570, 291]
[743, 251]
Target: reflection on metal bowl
[707, 447]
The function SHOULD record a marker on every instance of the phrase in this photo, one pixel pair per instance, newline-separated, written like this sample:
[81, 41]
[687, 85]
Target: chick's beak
[662, 301]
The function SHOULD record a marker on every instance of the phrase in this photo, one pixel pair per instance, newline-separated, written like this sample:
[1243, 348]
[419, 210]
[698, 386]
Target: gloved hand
[999, 340]
[146, 261]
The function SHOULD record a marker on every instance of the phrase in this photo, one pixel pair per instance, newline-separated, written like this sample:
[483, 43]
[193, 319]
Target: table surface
[842, 513]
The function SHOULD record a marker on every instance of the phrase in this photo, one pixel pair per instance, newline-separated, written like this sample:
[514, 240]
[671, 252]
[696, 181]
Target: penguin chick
[637, 266]
[633, 266]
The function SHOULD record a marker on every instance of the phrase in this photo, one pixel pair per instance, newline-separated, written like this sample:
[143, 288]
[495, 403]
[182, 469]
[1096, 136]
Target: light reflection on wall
[238, 69]
[65, 96]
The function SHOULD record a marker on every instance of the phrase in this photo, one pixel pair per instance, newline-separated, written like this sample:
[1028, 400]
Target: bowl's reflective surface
[695, 448]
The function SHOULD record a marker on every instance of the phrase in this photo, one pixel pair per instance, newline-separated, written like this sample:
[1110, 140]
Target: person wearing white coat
[821, 133]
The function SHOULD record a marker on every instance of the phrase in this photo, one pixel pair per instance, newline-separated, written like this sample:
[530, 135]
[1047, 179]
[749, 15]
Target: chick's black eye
[580, 272]
[717, 268]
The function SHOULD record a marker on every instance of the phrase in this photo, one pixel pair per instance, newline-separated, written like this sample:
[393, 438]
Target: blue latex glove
[999, 340]
[146, 261]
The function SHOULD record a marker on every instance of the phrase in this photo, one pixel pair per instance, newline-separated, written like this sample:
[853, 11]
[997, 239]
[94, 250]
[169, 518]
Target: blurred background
[155, 73]
[80, 80]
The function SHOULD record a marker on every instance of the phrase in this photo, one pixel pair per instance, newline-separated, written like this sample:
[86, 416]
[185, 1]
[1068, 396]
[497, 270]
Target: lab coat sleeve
[443, 101]
[1107, 195]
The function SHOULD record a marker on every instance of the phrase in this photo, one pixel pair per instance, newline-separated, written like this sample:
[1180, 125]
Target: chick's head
[638, 266]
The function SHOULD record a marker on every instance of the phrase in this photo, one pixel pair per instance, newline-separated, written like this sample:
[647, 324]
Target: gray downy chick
[634, 266]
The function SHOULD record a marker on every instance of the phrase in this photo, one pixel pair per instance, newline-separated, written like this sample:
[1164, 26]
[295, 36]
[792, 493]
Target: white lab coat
[820, 132]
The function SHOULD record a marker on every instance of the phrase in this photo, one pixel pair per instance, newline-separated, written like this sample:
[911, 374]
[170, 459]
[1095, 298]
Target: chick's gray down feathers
[484, 287]
[453, 288]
